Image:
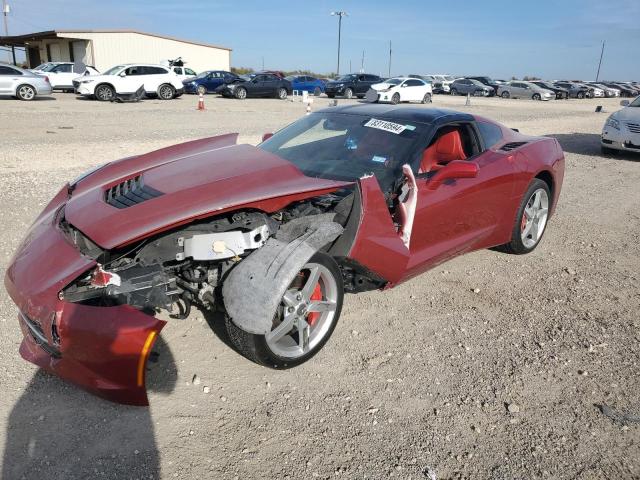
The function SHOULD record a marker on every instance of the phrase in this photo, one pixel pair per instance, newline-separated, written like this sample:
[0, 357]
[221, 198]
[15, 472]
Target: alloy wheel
[26, 92]
[534, 218]
[104, 93]
[306, 313]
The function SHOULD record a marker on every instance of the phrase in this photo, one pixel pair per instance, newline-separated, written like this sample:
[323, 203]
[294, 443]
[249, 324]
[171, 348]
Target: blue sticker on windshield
[378, 159]
[409, 127]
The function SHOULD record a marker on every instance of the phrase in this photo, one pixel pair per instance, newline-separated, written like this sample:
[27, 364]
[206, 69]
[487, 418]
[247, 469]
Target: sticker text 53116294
[386, 126]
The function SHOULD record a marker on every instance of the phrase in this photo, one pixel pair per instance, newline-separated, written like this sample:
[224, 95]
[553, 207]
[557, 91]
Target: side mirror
[624, 103]
[451, 171]
[122, 74]
[267, 136]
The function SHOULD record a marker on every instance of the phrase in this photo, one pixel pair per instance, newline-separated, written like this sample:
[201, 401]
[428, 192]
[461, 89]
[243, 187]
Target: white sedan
[157, 80]
[61, 74]
[621, 131]
[400, 89]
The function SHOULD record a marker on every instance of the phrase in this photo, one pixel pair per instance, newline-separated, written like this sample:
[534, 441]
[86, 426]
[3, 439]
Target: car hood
[382, 86]
[628, 114]
[191, 181]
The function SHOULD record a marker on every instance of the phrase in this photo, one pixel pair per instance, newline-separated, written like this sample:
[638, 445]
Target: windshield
[202, 74]
[114, 70]
[47, 67]
[394, 81]
[635, 103]
[340, 146]
[291, 78]
[346, 78]
[42, 66]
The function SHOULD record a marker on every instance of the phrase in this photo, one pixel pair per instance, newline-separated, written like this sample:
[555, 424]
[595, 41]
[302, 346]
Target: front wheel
[536, 96]
[317, 91]
[348, 93]
[580, 95]
[454, 91]
[26, 93]
[105, 93]
[395, 99]
[531, 219]
[240, 93]
[306, 317]
[426, 98]
[505, 95]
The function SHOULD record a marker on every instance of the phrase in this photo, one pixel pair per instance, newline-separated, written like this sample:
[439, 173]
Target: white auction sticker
[386, 126]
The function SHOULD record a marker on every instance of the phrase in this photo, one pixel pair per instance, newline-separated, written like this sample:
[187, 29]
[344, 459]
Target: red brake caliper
[313, 317]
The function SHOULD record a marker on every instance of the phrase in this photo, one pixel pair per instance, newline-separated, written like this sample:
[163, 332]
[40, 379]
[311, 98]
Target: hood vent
[130, 192]
[507, 147]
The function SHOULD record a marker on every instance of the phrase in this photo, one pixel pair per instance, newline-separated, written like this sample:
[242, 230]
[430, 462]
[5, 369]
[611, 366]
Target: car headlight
[340, 85]
[612, 122]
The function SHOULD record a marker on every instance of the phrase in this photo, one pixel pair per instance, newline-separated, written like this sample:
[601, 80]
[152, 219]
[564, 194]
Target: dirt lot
[414, 381]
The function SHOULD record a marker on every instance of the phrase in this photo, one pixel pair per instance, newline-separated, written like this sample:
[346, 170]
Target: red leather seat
[446, 148]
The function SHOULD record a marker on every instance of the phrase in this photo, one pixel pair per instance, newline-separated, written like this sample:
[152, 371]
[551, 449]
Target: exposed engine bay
[188, 266]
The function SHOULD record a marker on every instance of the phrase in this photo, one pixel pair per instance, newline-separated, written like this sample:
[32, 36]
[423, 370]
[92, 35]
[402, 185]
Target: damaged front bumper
[101, 349]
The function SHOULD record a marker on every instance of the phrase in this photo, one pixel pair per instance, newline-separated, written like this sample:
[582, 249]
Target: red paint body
[101, 347]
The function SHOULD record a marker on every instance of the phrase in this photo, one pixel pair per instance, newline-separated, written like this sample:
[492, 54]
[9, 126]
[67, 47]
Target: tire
[531, 220]
[166, 92]
[240, 93]
[505, 95]
[26, 92]
[105, 93]
[580, 95]
[201, 90]
[395, 99]
[283, 350]
[536, 96]
[348, 93]
[426, 98]
[281, 93]
[453, 92]
[317, 91]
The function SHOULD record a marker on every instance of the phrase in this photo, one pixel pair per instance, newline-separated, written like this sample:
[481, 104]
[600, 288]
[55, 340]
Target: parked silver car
[22, 84]
[462, 86]
[521, 89]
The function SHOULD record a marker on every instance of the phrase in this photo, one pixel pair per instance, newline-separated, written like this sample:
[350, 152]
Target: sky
[558, 39]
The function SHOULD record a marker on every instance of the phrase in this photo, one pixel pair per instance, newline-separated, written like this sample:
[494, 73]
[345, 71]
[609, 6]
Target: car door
[132, 79]
[270, 84]
[153, 77]
[9, 78]
[62, 76]
[212, 81]
[463, 214]
[414, 90]
[361, 85]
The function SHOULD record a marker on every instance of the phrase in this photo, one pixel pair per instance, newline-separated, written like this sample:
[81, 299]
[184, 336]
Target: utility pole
[350, 69]
[600, 62]
[389, 58]
[5, 13]
[362, 63]
[263, 64]
[339, 15]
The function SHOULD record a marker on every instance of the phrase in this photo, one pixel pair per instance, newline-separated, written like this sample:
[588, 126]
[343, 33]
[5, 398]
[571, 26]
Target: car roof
[401, 113]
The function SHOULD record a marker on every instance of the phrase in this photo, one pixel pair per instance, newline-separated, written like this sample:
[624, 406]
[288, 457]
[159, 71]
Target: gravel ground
[490, 366]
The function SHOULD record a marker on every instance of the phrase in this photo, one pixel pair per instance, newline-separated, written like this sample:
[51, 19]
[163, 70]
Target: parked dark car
[489, 82]
[305, 83]
[351, 85]
[559, 91]
[257, 85]
[625, 90]
[575, 90]
[208, 82]
[462, 86]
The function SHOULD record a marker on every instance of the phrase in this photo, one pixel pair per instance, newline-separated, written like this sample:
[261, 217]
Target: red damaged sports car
[347, 199]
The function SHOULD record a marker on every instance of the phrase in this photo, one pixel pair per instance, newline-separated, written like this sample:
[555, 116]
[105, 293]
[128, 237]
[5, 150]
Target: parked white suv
[127, 79]
[61, 74]
[184, 73]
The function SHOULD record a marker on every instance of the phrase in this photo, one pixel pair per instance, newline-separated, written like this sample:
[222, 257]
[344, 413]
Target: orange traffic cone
[201, 102]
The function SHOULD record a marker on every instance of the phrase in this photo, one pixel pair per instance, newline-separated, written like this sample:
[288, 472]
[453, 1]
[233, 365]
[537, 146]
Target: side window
[214, 75]
[491, 134]
[361, 78]
[414, 83]
[133, 71]
[64, 68]
[178, 70]
[4, 70]
[154, 71]
[188, 71]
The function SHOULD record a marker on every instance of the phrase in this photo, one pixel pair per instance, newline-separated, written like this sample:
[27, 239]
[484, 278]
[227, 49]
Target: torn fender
[254, 288]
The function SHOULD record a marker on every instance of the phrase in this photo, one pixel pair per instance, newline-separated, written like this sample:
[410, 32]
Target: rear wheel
[395, 99]
[282, 93]
[505, 95]
[304, 321]
[348, 93]
[426, 98]
[531, 219]
[536, 96]
[317, 91]
[26, 92]
[580, 95]
[105, 93]
[166, 92]
[454, 91]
